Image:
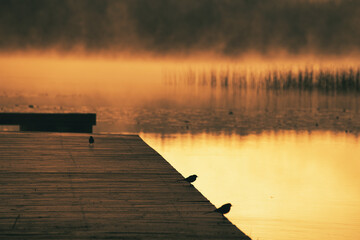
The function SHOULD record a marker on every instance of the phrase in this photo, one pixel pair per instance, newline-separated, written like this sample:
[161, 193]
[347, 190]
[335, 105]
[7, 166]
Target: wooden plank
[56, 186]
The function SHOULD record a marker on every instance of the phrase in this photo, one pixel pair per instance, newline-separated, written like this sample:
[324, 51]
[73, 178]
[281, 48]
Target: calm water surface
[283, 185]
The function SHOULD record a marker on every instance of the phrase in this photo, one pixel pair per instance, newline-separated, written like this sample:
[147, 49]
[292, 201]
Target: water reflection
[283, 185]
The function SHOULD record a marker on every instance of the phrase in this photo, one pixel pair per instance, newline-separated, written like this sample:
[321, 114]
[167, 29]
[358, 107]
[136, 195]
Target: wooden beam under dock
[50, 122]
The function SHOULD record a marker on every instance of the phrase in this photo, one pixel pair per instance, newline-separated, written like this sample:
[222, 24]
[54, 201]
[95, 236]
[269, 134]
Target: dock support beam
[50, 122]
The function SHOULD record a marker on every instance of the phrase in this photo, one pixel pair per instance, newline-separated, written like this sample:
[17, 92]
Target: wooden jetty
[57, 186]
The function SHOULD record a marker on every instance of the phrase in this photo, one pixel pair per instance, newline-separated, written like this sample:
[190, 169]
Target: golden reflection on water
[283, 185]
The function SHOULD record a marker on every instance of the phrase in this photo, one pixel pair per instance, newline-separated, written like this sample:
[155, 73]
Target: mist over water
[178, 97]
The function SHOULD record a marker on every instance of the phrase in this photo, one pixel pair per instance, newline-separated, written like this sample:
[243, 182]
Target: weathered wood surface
[55, 186]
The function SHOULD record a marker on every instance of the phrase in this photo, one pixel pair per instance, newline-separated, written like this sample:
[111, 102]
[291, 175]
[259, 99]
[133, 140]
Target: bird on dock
[91, 140]
[223, 209]
[189, 179]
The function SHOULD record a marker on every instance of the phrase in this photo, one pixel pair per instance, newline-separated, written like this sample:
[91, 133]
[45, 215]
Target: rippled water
[193, 110]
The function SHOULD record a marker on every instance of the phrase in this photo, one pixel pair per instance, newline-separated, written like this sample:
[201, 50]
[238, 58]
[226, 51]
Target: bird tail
[180, 180]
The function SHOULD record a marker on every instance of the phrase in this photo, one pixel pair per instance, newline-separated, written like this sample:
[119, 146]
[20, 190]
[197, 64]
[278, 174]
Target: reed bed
[324, 79]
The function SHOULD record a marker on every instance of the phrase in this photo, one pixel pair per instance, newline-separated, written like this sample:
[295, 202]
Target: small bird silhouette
[91, 140]
[189, 179]
[223, 209]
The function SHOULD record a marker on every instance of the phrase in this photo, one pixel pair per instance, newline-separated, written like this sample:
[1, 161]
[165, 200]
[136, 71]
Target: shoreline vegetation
[308, 78]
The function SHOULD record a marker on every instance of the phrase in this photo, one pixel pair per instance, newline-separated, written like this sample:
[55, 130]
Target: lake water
[288, 161]
[283, 185]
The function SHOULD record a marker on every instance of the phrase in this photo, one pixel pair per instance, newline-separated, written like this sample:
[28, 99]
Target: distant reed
[324, 79]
